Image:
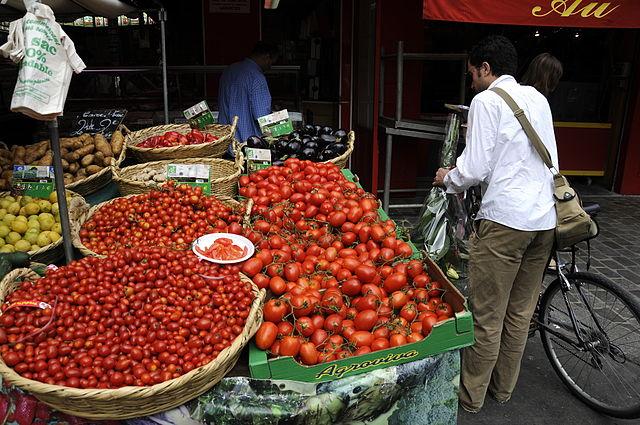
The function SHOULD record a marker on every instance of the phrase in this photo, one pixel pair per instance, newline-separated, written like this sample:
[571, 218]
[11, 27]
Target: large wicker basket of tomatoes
[100, 347]
[172, 216]
[174, 141]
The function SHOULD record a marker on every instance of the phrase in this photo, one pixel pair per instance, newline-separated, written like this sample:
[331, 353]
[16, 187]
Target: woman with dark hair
[544, 73]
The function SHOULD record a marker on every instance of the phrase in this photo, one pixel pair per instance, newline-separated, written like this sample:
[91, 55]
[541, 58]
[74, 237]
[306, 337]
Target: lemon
[22, 246]
[22, 219]
[25, 200]
[45, 206]
[32, 236]
[3, 212]
[55, 209]
[33, 224]
[4, 203]
[19, 226]
[12, 238]
[43, 239]
[7, 248]
[2, 242]
[32, 208]
[22, 211]
[8, 219]
[46, 223]
[53, 197]
[4, 230]
[13, 208]
[53, 236]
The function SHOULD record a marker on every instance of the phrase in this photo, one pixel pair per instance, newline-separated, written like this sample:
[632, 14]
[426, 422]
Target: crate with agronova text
[451, 334]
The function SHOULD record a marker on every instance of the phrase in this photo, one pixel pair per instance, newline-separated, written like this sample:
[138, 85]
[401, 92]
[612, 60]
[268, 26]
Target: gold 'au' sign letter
[566, 8]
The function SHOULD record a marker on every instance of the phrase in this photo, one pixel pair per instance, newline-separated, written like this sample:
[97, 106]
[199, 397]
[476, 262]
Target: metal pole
[381, 82]
[165, 90]
[60, 191]
[387, 174]
[399, 78]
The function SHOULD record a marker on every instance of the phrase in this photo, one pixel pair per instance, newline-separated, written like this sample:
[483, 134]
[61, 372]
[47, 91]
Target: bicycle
[585, 336]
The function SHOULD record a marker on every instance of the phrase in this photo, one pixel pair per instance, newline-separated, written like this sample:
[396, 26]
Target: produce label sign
[276, 124]
[192, 175]
[104, 121]
[31, 180]
[258, 159]
[199, 115]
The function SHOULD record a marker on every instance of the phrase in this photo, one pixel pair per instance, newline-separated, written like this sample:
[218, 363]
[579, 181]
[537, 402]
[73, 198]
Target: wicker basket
[131, 402]
[76, 225]
[99, 180]
[51, 253]
[225, 134]
[341, 161]
[223, 175]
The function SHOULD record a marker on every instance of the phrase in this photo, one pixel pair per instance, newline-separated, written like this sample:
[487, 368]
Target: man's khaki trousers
[505, 276]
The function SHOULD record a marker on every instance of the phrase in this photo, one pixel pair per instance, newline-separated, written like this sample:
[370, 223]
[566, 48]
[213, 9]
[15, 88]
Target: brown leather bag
[573, 224]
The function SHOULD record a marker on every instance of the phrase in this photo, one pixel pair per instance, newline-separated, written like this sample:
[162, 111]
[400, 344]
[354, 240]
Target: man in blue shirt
[244, 91]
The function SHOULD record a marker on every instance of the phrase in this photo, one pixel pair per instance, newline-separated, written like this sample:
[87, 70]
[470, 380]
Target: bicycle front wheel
[602, 367]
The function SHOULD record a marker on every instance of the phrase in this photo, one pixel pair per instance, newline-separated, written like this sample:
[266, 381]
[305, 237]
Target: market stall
[275, 267]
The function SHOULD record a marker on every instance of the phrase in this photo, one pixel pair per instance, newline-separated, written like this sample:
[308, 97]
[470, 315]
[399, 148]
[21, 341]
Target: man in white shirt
[514, 227]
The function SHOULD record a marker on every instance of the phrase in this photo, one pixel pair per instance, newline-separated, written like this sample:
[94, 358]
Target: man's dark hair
[263, 48]
[498, 52]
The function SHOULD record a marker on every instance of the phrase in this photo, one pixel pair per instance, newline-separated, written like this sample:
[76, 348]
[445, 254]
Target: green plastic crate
[451, 334]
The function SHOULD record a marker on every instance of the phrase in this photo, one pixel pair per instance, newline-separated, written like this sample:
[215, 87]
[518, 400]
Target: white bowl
[205, 241]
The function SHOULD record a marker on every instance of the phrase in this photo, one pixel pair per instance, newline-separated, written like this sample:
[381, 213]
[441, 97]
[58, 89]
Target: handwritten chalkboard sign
[104, 121]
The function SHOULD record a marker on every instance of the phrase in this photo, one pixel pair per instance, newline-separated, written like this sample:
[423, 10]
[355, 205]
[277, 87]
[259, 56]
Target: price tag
[104, 121]
[276, 124]
[257, 159]
[198, 175]
[36, 181]
[199, 115]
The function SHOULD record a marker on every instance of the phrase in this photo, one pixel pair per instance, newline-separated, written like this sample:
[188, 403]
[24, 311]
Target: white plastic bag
[47, 58]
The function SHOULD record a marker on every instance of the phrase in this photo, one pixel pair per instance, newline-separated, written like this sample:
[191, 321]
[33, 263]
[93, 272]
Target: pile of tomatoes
[173, 138]
[175, 215]
[342, 279]
[138, 317]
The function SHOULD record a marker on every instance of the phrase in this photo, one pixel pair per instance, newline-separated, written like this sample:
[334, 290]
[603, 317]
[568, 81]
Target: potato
[74, 167]
[72, 157]
[7, 174]
[6, 153]
[117, 142]
[85, 150]
[47, 159]
[19, 153]
[87, 160]
[35, 152]
[93, 169]
[4, 184]
[82, 172]
[65, 164]
[102, 145]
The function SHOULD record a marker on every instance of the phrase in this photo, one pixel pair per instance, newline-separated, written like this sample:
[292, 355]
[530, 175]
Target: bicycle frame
[566, 286]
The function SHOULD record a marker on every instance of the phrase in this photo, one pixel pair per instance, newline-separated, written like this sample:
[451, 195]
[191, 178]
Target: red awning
[556, 13]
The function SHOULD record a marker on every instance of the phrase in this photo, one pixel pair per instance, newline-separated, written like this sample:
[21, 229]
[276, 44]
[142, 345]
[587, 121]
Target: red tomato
[365, 320]
[275, 310]
[395, 282]
[289, 346]
[361, 339]
[266, 335]
[308, 353]
[397, 340]
[427, 323]
[379, 344]
[252, 267]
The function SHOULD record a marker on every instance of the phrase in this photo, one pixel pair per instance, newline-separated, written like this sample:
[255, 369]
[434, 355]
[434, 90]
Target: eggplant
[328, 139]
[278, 163]
[256, 142]
[309, 153]
[309, 130]
[318, 129]
[294, 147]
[281, 147]
[339, 147]
[305, 139]
[311, 144]
[340, 134]
[326, 130]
